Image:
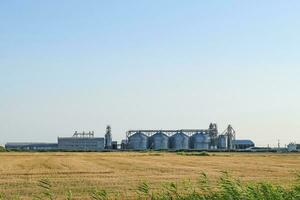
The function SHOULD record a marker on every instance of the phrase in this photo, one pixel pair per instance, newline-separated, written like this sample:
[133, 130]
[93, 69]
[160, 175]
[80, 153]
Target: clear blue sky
[79, 65]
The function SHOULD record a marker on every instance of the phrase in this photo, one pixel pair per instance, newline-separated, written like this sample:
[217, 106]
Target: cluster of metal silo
[181, 139]
[161, 141]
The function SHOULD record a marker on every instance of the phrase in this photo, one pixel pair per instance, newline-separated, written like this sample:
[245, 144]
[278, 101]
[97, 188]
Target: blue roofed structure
[243, 144]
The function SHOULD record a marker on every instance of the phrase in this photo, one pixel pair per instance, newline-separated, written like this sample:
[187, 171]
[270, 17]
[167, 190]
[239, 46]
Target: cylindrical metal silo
[200, 141]
[222, 142]
[179, 141]
[138, 141]
[159, 141]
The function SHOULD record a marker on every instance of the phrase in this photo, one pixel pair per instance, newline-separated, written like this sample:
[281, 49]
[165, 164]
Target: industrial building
[243, 144]
[31, 146]
[197, 139]
[84, 141]
[81, 142]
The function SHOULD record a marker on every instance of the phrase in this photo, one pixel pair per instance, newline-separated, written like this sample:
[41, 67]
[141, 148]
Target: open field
[122, 172]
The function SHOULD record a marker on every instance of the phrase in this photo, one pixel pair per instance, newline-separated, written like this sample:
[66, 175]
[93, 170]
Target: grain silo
[199, 141]
[159, 141]
[179, 141]
[138, 141]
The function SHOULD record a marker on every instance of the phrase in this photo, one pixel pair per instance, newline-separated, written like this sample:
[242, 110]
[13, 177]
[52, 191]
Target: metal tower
[230, 133]
[213, 133]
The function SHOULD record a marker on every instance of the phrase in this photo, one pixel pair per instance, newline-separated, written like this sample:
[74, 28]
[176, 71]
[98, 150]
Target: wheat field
[121, 172]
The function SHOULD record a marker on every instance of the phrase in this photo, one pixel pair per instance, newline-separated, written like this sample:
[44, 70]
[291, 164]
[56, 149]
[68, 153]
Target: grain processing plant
[198, 139]
[184, 139]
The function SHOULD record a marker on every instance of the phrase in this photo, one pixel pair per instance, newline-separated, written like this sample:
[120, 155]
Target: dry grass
[121, 172]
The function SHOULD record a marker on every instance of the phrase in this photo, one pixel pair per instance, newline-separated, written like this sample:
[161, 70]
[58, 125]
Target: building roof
[22, 144]
[243, 142]
[81, 138]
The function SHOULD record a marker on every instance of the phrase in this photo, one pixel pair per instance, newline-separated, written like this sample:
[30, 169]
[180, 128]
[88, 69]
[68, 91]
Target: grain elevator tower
[108, 138]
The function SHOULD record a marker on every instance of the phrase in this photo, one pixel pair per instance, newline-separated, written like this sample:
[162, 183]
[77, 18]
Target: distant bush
[193, 153]
[2, 149]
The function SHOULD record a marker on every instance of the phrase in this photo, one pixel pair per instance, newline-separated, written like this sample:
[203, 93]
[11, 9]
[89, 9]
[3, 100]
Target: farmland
[121, 172]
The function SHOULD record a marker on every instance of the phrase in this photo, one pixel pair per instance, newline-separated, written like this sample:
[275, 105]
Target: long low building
[31, 146]
[78, 142]
[243, 144]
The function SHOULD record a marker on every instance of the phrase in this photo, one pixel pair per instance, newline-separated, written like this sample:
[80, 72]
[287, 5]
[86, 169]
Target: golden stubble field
[123, 171]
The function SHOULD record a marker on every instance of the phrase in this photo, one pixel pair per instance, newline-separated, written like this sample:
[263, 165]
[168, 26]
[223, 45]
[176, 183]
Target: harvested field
[121, 172]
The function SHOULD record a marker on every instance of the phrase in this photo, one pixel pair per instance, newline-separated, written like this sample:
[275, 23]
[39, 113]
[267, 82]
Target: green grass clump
[227, 188]
[2, 196]
[46, 192]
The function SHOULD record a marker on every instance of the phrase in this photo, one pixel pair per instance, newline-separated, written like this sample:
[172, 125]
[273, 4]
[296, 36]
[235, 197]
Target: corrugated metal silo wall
[199, 141]
[179, 141]
[138, 141]
[159, 141]
[222, 142]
